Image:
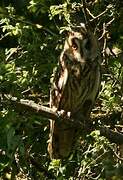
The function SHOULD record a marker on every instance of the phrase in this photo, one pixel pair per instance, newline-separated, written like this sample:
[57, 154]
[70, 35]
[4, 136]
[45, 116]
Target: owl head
[81, 45]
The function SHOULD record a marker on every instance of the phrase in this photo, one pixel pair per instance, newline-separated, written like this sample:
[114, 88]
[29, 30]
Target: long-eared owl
[74, 87]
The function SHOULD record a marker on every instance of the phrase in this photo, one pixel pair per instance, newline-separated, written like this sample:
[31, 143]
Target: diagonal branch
[30, 106]
[99, 15]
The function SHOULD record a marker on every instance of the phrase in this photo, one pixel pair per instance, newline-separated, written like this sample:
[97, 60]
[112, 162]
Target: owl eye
[74, 44]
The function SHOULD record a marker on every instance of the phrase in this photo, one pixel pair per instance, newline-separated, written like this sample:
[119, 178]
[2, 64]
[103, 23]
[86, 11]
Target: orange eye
[74, 44]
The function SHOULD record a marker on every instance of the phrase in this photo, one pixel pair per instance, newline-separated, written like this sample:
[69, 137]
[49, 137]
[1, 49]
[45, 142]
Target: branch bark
[30, 106]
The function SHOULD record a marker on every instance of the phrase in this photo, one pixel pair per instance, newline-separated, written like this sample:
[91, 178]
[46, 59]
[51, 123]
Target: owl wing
[58, 131]
[58, 83]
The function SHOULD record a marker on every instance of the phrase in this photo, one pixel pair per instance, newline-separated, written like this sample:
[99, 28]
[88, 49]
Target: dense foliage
[31, 38]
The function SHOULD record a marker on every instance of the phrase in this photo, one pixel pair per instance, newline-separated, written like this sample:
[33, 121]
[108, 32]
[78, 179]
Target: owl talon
[68, 114]
[63, 114]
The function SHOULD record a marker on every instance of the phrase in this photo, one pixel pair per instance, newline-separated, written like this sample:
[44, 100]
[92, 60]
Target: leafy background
[31, 39]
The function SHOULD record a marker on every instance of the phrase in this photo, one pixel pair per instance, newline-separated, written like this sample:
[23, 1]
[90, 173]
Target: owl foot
[63, 114]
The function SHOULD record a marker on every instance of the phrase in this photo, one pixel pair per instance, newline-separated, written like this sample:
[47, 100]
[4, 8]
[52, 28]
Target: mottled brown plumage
[75, 85]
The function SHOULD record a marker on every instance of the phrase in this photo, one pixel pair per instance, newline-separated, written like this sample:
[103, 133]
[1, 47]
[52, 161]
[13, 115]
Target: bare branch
[104, 32]
[101, 14]
[105, 42]
[110, 22]
[85, 12]
[4, 36]
[117, 156]
[26, 105]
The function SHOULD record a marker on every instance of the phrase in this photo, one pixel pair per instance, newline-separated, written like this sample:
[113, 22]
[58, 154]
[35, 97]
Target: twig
[12, 51]
[105, 25]
[104, 32]
[85, 11]
[105, 42]
[96, 178]
[4, 36]
[109, 23]
[90, 14]
[117, 156]
[98, 16]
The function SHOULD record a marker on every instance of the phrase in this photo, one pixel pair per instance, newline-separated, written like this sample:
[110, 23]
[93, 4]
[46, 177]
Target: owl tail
[61, 140]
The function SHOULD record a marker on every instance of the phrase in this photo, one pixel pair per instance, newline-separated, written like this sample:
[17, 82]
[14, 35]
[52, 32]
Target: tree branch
[30, 106]
[99, 15]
